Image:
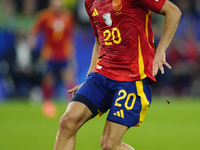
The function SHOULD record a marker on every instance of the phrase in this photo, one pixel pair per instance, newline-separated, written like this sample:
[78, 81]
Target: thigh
[77, 114]
[131, 102]
[113, 133]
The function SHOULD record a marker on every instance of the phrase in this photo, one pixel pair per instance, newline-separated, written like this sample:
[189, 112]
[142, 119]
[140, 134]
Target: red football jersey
[125, 36]
[57, 28]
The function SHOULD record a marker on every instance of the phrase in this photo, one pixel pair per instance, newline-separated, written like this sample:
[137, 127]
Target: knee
[107, 144]
[68, 123]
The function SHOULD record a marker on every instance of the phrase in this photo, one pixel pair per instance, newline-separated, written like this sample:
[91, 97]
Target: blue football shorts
[128, 101]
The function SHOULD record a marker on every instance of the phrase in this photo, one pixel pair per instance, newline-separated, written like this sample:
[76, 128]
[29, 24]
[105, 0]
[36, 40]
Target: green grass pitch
[174, 126]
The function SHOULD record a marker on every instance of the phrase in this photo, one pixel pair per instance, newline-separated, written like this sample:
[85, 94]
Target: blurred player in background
[56, 26]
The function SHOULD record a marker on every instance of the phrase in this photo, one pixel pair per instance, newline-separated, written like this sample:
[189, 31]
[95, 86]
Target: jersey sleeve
[91, 21]
[154, 5]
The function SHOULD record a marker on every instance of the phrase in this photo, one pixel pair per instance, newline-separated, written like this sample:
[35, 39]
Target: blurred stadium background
[23, 126]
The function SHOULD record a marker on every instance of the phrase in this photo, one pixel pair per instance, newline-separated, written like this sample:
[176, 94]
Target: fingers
[160, 67]
[168, 65]
[73, 94]
[155, 70]
[158, 63]
[73, 90]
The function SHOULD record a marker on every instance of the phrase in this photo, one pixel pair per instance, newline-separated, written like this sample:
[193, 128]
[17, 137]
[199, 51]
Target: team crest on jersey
[117, 4]
[107, 19]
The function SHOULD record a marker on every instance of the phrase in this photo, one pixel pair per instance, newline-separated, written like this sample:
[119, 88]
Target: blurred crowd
[21, 72]
[183, 54]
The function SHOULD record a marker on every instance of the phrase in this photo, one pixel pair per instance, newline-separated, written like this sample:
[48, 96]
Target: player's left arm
[172, 16]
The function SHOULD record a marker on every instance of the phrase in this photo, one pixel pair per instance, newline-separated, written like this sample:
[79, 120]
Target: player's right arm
[95, 54]
[96, 49]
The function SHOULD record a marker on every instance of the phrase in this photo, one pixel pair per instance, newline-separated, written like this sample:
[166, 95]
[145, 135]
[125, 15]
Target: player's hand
[159, 61]
[74, 89]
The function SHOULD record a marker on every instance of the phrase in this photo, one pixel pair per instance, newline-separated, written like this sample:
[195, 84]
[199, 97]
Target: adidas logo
[95, 13]
[119, 113]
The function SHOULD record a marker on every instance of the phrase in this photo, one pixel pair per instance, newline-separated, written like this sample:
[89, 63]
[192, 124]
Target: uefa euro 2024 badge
[107, 19]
